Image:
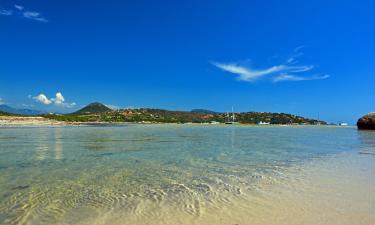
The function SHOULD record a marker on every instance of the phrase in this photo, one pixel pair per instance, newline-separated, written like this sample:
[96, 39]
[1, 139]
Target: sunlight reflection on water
[48, 173]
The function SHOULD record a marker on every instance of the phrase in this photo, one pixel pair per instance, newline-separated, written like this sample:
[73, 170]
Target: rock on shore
[367, 122]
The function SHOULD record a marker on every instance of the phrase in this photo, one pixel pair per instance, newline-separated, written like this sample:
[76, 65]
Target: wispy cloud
[249, 74]
[59, 100]
[4, 12]
[296, 54]
[21, 11]
[281, 72]
[1, 101]
[19, 7]
[287, 77]
[34, 16]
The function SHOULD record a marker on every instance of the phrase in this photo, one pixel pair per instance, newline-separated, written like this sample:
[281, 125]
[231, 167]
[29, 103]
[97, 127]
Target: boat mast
[232, 115]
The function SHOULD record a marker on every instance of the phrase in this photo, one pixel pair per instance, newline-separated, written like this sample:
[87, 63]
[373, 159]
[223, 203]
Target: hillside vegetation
[93, 108]
[6, 114]
[97, 112]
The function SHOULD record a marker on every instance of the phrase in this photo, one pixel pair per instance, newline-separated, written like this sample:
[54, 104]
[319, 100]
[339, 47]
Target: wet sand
[334, 191]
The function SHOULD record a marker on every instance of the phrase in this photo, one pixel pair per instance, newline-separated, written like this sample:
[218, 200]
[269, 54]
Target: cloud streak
[249, 74]
[19, 7]
[34, 16]
[21, 11]
[59, 100]
[296, 54]
[287, 77]
[4, 12]
[287, 71]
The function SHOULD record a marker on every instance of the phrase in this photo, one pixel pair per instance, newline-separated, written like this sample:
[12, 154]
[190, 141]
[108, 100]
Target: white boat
[233, 118]
[343, 124]
[264, 123]
[231, 122]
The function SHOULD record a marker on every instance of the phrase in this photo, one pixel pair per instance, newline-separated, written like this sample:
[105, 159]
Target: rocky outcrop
[367, 122]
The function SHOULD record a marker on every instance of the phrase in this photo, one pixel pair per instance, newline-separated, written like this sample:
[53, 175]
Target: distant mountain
[92, 108]
[25, 112]
[203, 111]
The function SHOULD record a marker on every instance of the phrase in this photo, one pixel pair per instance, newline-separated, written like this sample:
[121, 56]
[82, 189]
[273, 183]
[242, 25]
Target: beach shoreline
[28, 121]
[39, 121]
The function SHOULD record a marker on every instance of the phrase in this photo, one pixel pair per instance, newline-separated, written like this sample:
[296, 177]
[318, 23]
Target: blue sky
[307, 58]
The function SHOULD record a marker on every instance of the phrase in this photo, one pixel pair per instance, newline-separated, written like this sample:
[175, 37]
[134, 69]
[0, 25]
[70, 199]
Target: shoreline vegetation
[99, 114]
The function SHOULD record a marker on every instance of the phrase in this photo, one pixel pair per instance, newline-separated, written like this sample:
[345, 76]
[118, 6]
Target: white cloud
[19, 7]
[42, 98]
[249, 74]
[296, 54]
[34, 16]
[287, 77]
[59, 100]
[293, 59]
[6, 12]
[281, 72]
[246, 74]
[298, 48]
[1, 101]
[20, 11]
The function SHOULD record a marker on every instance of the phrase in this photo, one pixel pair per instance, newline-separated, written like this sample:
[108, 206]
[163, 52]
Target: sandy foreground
[335, 191]
[28, 121]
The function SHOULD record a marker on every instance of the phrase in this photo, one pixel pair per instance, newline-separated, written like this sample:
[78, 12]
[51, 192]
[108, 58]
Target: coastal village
[99, 113]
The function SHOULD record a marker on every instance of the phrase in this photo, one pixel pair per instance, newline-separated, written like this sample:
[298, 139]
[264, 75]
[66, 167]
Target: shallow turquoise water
[48, 173]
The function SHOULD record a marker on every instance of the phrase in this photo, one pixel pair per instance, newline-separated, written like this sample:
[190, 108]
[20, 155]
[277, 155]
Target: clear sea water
[180, 174]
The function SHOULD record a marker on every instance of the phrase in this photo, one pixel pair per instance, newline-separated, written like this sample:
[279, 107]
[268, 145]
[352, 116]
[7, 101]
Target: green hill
[93, 108]
[97, 112]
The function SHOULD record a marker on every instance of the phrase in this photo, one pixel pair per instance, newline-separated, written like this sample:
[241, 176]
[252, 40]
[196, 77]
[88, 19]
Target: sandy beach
[28, 121]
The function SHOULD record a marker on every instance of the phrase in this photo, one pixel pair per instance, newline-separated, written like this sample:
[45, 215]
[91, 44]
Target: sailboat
[233, 118]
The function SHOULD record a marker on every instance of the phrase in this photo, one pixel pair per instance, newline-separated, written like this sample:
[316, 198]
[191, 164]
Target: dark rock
[367, 122]
[21, 187]
[106, 154]
[367, 153]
